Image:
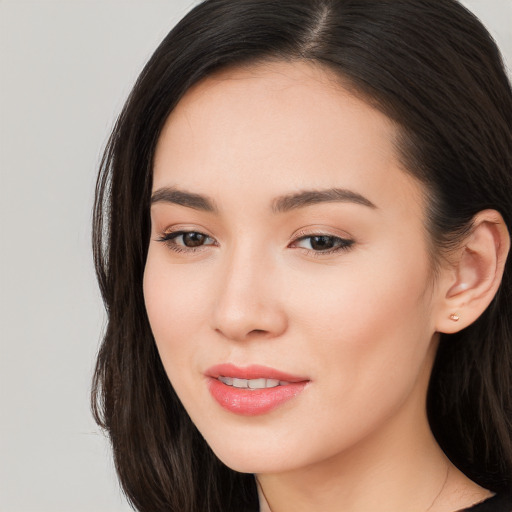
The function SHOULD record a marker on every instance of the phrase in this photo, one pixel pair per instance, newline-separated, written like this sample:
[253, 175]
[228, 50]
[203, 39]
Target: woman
[301, 235]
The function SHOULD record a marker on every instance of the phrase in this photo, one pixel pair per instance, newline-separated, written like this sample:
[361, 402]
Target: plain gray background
[65, 69]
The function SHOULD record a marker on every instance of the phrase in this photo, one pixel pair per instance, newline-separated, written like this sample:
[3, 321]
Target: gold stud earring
[454, 317]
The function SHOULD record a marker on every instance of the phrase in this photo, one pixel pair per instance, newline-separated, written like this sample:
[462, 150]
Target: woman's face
[288, 254]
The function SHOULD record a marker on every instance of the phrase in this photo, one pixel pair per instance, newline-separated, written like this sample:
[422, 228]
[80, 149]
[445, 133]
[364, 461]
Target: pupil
[193, 239]
[321, 243]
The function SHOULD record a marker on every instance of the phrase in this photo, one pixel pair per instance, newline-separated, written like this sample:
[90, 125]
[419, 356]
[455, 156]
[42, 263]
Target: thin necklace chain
[429, 508]
[442, 488]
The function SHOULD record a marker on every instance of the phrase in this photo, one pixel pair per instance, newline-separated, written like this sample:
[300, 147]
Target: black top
[497, 503]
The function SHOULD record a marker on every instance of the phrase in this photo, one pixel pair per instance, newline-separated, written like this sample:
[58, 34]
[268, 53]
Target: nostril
[250, 322]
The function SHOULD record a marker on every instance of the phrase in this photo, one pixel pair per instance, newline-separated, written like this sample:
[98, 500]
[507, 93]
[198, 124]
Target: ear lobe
[475, 274]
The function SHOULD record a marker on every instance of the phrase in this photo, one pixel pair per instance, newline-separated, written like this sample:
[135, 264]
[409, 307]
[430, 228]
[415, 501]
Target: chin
[250, 462]
[268, 454]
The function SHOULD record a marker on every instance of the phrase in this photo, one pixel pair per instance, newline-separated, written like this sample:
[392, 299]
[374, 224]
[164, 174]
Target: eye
[324, 244]
[180, 241]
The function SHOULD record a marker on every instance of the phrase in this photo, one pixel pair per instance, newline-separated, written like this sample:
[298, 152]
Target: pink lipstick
[252, 390]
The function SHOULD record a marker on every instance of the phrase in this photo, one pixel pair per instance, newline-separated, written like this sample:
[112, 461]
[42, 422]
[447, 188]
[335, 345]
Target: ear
[474, 274]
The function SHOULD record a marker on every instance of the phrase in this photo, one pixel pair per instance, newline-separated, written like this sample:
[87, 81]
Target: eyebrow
[281, 204]
[309, 197]
[183, 198]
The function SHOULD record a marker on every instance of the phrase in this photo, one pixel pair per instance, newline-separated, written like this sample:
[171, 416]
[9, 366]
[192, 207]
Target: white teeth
[239, 383]
[252, 383]
[257, 383]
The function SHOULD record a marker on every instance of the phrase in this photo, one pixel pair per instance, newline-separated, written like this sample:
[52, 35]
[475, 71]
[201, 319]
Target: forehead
[276, 127]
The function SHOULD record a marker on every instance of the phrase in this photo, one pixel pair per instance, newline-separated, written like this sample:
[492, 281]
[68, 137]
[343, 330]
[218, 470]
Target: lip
[251, 372]
[252, 402]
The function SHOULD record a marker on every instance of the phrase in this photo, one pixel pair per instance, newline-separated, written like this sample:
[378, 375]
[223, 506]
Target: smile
[252, 383]
[252, 390]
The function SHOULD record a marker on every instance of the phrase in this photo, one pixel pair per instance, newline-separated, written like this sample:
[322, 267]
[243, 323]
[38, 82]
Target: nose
[249, 303]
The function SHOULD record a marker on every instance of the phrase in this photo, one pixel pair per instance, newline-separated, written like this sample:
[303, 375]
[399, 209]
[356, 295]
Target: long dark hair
[430, 66]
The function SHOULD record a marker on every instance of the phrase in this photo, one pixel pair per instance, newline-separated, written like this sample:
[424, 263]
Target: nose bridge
[248, 301]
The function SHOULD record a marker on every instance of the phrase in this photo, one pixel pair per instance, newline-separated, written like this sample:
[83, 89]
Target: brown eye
[183, 240]
[323, 243]
[193, 239]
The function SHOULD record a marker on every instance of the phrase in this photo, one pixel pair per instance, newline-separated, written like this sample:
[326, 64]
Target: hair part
[433, 69]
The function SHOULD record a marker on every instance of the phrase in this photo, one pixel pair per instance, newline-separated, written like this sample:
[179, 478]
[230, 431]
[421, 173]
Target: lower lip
[251, 402]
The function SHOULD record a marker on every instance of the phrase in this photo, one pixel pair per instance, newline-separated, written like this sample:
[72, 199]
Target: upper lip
[251, 372]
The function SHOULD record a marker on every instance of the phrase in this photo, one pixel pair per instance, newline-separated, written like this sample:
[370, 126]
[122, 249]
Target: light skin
[358, 312]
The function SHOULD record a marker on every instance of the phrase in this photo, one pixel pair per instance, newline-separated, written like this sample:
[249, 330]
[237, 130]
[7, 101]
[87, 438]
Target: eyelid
[319, 231]
[184, 228]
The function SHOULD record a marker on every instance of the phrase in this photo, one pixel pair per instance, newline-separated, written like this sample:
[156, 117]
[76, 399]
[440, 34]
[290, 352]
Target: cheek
[370, 325]
[175, 304]
[366, 338]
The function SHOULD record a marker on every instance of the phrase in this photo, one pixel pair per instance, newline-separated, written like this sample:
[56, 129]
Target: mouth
[252, 390]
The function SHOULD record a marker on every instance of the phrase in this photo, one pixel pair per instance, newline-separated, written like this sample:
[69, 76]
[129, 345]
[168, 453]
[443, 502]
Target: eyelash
[343, 244]
[168, 239]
